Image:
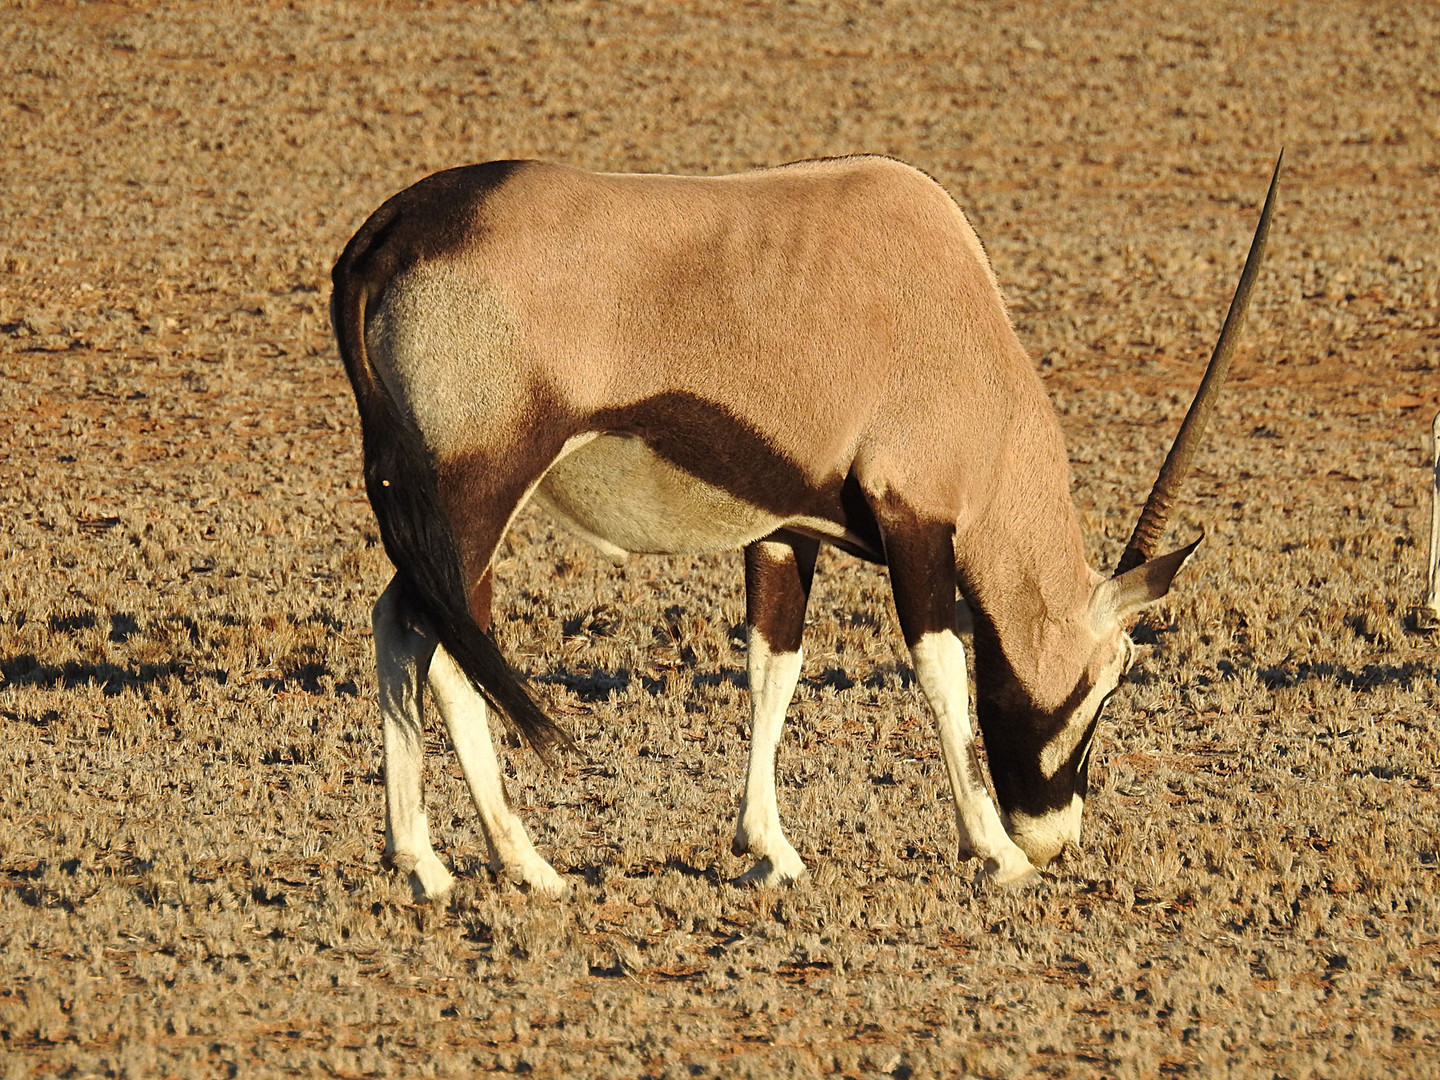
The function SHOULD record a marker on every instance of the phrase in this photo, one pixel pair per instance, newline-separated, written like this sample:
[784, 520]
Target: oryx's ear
[1125, 594]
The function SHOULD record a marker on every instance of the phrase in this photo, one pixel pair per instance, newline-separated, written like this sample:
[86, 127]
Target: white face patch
[1043, 837]
[1062, 745]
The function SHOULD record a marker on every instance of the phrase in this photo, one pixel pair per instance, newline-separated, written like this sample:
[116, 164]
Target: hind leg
[464, 489]
[403, 655]
[777, 586]
[466, 719]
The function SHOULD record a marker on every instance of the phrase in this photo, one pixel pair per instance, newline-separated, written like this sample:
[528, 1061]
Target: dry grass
[190, 794]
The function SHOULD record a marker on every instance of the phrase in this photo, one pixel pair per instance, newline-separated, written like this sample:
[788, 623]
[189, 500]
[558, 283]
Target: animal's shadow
[591, 685]
[297, 672]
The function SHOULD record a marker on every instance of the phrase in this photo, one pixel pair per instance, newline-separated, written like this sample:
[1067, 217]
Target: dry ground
[190, 786]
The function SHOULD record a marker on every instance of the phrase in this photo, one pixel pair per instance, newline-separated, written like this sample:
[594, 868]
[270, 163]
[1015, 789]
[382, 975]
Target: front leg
[402, 656]
[778, 573]
[921, 557]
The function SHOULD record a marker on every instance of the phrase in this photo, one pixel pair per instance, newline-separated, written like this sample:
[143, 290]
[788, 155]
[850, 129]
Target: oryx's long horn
[1151, 525]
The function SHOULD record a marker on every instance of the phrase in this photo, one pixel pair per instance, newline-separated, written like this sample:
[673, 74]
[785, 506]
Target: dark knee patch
[776, 591]
[921, 557]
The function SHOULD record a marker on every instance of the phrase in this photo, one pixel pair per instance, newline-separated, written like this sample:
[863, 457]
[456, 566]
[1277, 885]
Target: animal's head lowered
[1038, 743]
[1037, 735]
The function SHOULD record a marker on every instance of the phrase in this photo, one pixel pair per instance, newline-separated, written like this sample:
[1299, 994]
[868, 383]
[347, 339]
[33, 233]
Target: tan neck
[1022, 568]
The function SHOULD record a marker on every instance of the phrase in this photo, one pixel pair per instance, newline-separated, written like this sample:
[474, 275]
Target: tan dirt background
[190, 775]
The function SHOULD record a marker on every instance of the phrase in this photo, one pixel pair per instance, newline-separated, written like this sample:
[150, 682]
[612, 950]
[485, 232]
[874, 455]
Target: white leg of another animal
[757, 828]
[1432, 591]
[401, 655]
[940, 668]
[464, 713]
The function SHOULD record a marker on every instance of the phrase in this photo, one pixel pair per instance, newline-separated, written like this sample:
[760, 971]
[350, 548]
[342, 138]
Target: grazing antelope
[1426, 616]
[810, 354]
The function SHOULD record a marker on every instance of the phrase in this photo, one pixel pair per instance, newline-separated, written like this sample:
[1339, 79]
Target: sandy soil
[190, 797]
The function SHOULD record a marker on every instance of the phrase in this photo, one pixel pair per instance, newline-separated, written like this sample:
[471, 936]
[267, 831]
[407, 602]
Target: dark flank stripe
[706, 440]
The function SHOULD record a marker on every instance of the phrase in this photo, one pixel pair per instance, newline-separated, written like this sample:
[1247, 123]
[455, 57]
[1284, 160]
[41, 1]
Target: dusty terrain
[190, 776]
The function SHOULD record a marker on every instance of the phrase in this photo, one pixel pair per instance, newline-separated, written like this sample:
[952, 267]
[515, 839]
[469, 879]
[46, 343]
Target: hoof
[556, 889]
[549, 884]
[767, 875]
[430, 881]
[1013, 874]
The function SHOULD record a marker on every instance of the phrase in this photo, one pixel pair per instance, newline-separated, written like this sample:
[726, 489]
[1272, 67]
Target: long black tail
[400, 481]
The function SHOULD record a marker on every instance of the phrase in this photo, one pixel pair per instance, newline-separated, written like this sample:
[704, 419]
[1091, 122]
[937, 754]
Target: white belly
[618, 493]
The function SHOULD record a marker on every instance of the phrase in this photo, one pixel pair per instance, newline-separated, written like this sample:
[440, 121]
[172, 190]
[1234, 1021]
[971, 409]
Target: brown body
[670, 364]
[759, 332]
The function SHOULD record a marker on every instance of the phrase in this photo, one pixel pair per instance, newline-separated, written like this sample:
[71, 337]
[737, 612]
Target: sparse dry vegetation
[190, 784]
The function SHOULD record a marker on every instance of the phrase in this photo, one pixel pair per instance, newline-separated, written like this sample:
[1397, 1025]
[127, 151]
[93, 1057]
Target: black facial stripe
[1087, 740]
[1033, 793]
[1016, 731]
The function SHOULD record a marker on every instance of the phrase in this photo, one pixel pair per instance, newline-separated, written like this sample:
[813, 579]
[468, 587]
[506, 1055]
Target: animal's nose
[1040, 855]
[1044, 837]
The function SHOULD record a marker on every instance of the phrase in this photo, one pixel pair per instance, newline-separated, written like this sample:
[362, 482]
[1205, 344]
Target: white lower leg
[940, 669]
[757, 828]
[464, 713]
[400, 655]
[1432, 590]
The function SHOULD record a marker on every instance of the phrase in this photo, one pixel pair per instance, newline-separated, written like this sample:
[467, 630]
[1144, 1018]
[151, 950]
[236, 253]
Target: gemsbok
[815, 353]
[1426, 617]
